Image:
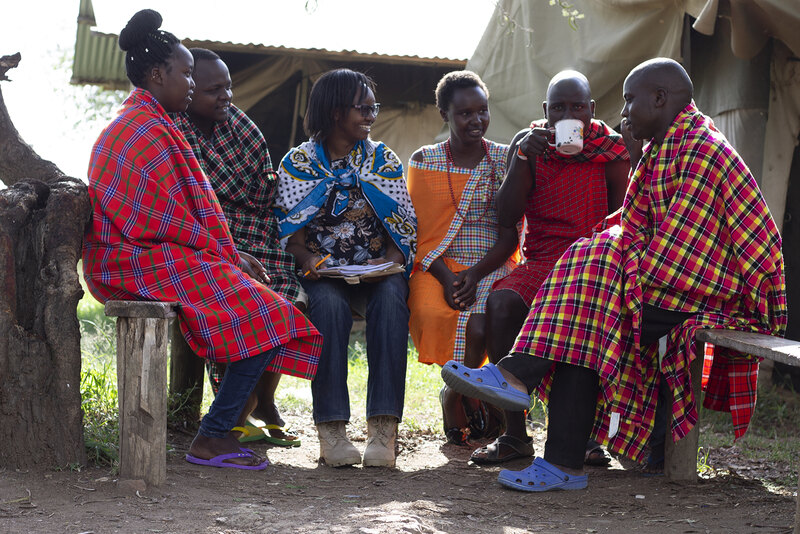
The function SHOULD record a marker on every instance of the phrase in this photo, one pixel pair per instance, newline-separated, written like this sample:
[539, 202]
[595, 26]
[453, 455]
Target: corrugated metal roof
[350, 55]
[99, 60]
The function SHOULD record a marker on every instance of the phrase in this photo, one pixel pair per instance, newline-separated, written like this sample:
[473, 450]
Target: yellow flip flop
[249, 433]
[255, 433]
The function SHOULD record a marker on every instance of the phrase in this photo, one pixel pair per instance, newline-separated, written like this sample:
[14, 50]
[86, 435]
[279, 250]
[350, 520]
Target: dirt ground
[432, 490]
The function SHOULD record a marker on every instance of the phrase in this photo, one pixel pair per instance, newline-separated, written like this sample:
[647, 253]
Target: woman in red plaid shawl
[234, 156]
[158, 233]
[695, 247]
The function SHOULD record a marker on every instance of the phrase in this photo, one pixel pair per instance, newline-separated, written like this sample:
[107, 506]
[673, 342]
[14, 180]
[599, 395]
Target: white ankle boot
[382, 435]
[334, 447]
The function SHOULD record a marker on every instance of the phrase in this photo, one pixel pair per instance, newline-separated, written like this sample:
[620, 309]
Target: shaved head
[655, 92]
[665, 73]
[571, 76]
[569, 97]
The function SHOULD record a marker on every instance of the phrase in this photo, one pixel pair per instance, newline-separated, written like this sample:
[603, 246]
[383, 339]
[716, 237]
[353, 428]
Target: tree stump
[18, 161]
[41, 230]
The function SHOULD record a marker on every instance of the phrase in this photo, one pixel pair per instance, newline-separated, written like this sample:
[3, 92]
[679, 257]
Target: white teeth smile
[366, 128]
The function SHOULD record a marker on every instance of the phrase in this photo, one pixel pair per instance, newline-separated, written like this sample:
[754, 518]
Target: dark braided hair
[458, 79]
[145, 45]
[334, 90]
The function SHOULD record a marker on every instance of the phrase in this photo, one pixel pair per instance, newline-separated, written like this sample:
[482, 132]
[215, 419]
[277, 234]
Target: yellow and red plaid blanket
[695, 235]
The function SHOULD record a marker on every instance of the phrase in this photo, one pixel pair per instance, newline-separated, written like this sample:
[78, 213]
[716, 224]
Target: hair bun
[141, 24]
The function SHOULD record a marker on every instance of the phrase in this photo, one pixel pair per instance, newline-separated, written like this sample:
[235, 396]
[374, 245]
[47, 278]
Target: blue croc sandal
[486, 384]
[541, 476]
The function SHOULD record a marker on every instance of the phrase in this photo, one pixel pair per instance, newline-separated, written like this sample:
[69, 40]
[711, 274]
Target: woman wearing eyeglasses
[342, 200]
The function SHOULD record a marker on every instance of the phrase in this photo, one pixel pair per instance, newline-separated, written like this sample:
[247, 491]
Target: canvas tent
[742, 56]
[276, 49]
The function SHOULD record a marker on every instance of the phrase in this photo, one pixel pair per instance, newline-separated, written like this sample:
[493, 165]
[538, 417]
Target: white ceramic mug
[569, 136]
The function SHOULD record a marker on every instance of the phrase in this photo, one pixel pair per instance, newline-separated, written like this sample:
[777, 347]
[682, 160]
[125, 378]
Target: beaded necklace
[488, 193]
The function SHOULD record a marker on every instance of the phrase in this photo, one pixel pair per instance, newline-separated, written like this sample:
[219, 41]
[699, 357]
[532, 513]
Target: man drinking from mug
[694, 246]
[563, 187]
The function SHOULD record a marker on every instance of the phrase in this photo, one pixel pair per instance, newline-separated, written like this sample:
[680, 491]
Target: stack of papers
[355, 273]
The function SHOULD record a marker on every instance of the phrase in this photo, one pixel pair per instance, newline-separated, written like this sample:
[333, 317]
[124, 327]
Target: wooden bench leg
[680, 459]
[142, 383]
[797, 512]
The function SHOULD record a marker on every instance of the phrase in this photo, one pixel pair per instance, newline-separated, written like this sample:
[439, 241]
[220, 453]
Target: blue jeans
[237, 384]
[330, 304]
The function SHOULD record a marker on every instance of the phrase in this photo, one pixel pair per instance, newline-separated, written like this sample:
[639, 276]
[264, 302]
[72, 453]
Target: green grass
[774, 434]
[98, 383]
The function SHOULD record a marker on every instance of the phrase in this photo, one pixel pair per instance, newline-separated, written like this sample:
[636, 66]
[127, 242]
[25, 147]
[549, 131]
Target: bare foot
[268, 413]
[569, 470]
[513, 381]
[206, 448]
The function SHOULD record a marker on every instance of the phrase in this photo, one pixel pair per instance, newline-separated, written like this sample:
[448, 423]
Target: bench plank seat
[680, 462]
[141, 309]
[774, 348]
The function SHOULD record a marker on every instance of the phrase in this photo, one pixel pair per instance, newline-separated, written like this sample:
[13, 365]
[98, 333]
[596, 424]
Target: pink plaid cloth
[695, 235]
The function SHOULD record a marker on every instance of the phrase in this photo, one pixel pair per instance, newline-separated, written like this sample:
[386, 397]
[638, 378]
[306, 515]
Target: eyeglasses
[366, 110]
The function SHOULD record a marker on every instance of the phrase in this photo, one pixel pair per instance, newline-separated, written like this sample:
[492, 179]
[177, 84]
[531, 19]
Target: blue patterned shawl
[306, 180]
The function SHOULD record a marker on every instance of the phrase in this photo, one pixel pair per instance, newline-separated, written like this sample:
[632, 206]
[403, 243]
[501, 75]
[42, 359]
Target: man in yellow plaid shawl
[693, 246]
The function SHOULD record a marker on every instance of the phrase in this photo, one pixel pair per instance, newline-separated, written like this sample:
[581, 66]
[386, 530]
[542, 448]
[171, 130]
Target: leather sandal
[490, 454]
[597, 457]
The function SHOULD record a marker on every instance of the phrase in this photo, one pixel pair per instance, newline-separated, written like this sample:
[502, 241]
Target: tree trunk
[41, 230]
[18, 161]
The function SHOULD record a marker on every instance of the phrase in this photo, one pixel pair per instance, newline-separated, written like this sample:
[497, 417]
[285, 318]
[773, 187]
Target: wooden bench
[680, 459]
[142, 336]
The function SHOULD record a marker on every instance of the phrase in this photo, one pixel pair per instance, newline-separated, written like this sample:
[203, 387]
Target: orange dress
[437, 330]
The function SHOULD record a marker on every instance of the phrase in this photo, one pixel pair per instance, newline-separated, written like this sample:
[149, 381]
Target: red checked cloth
[569, 198]
[695, 235]
[236, 161]
[158, 233]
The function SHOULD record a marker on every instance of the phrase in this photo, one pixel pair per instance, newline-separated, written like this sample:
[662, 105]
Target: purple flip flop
[220, 461]
[486, 384]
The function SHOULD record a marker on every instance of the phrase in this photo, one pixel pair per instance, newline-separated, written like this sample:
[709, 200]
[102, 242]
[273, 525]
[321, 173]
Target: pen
[317, 264]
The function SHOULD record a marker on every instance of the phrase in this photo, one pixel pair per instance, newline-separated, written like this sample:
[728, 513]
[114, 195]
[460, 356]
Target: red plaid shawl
[569, 198]
[158, 233]
[695, 236]
[237, 163]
